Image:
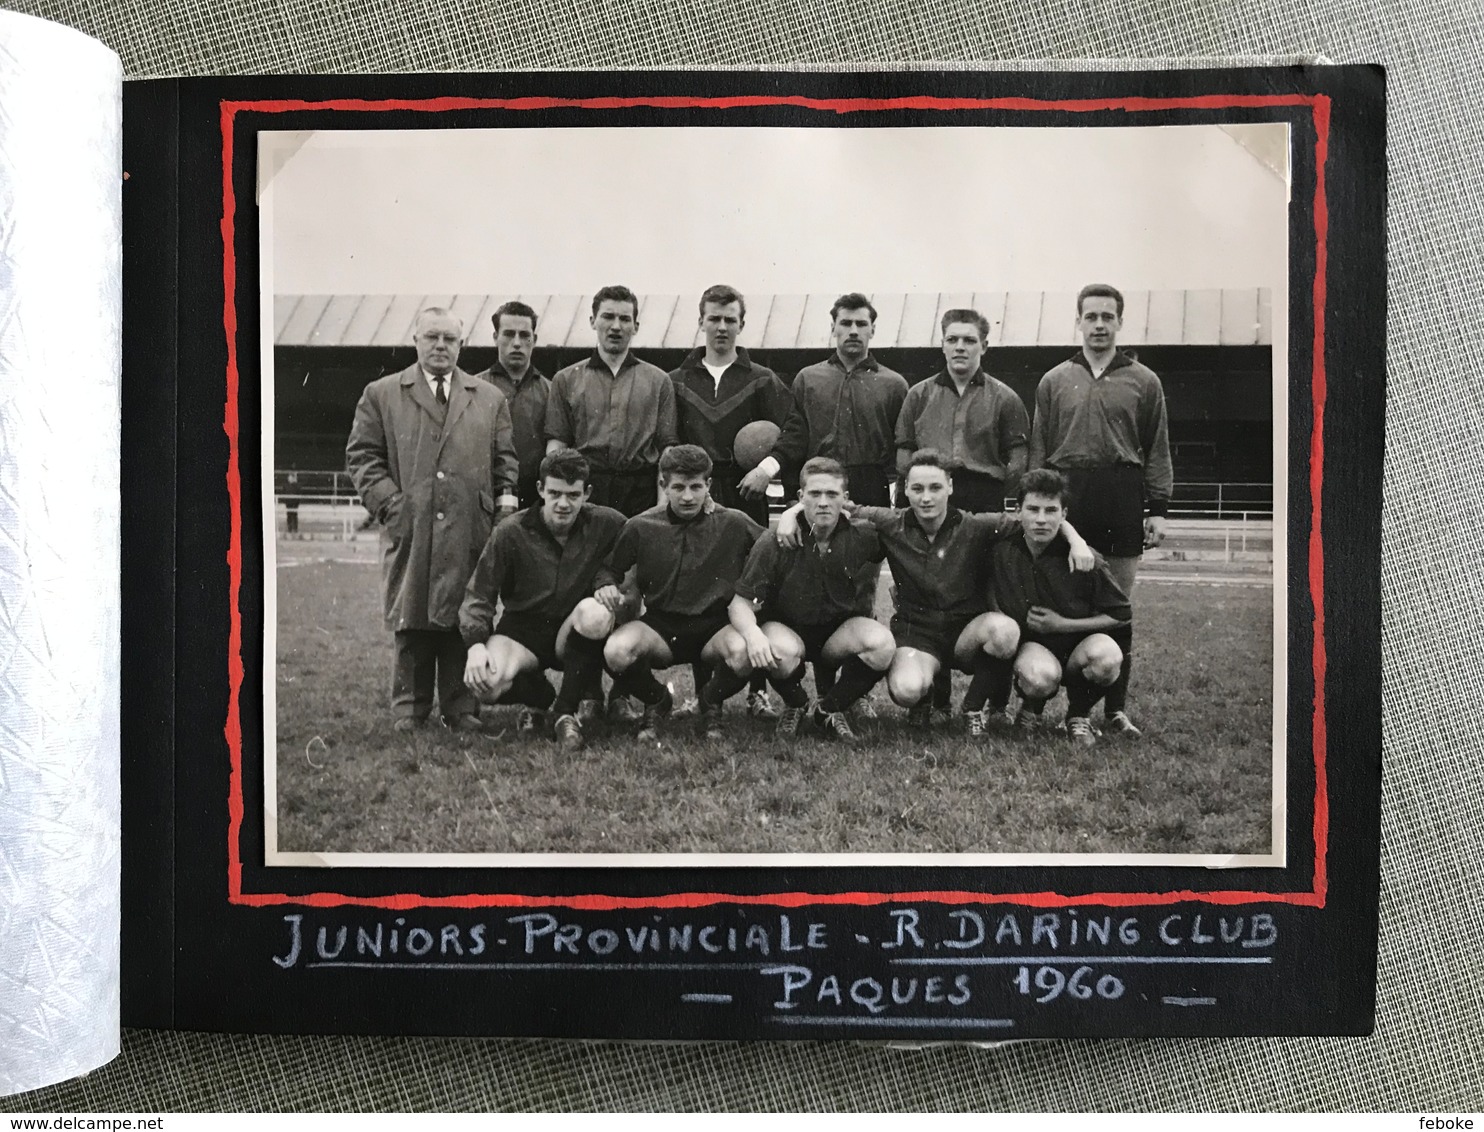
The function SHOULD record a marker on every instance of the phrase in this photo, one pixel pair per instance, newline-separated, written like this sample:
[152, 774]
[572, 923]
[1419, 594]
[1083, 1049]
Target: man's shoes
[528, 721]
[788, 721]
[406, 724]
[833, 724]
[1079, 731]
[942, 717]
[625, 709]
[568, 731]
[760, 705]
[1118, 723]
[653, 713]
[920, 716]
[711, 722]
[469, 721]
[978, 723]
[588, 711]
[1028, 720]
[864, 709]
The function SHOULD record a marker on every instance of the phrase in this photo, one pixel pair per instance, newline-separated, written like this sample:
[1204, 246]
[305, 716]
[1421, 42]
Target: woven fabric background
[1426, 1052]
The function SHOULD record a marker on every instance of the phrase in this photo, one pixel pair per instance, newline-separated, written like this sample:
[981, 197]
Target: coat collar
[461, 388]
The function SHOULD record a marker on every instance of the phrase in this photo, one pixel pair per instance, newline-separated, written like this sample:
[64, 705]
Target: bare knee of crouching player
[591, 619]
[622, 648]
[1001, 636]
[1037, 673]
[788, 648]
[910, 678]
[1099, 659]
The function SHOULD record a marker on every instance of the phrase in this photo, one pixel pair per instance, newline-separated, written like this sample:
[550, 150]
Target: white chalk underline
[930, 1023]
[1092, 960]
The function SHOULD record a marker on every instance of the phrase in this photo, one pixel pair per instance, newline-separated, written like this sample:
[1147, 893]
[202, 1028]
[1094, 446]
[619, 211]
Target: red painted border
[1320, 108]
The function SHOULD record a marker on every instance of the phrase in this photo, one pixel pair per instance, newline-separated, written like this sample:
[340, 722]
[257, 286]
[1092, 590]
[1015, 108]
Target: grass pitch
[1199, 781]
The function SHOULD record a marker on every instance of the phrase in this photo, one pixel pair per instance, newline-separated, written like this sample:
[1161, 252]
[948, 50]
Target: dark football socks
[1118, 691]
[640, 683]
[1082, 693]
[582, 673]
[856, 679]
[943, 687]
[791, 688]
[824, 678]
[530, 689]
[724, 684]
[700, 674]
[990, 685]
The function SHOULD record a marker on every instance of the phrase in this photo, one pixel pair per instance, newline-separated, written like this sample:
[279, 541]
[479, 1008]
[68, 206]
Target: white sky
[673, 210]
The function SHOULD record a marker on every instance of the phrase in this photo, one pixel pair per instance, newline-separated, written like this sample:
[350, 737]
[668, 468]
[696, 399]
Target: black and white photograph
[704, 495]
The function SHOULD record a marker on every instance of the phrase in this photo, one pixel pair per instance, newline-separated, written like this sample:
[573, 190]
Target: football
[753, 442]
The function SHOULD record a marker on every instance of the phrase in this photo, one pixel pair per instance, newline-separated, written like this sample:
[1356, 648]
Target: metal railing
[303, 491]
[1197, 500]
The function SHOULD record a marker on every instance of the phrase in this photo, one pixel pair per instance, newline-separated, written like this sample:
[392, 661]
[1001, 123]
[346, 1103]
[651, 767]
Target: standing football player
[1101, 422]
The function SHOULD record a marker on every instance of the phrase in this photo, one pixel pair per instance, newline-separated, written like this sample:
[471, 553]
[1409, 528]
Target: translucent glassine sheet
[60, 294]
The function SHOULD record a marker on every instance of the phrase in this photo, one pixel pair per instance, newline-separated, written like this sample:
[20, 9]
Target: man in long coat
[432, 455]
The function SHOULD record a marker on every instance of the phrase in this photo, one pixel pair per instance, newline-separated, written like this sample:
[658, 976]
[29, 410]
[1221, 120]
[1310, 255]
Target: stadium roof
[1017, 318]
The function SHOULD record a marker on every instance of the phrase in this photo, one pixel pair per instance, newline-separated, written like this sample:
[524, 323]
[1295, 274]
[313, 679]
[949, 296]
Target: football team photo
[713, 495]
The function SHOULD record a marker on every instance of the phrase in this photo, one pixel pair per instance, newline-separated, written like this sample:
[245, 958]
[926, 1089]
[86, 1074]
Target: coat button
[440, 475]
[440, 514]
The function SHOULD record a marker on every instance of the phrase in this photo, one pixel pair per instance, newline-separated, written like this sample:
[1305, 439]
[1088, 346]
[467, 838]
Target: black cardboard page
[802, 949]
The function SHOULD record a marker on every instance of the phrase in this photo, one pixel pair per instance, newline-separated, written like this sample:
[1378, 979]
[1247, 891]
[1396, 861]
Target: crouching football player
[812, 603]
[544, 564]
[686, 555]
[1061, 627]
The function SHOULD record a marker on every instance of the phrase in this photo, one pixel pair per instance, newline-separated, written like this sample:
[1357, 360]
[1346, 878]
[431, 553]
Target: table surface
[1425, 1053]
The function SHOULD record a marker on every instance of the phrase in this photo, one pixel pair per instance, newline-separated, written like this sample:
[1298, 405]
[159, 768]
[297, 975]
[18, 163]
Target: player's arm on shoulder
[999, 524]
[1082, 557]
[881, 518]
[787, 532]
